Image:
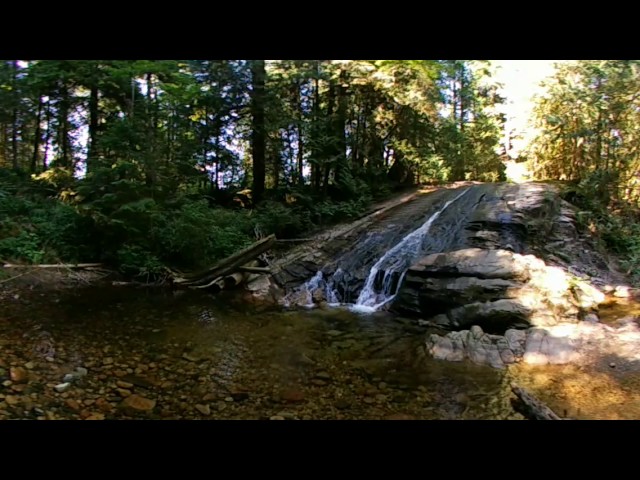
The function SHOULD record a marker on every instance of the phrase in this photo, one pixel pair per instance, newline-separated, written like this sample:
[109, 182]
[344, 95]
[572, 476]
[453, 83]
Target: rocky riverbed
[132, 354]
[120, 354]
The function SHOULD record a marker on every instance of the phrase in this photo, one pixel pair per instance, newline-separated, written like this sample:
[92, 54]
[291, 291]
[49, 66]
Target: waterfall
[304, 295]
[394, 265]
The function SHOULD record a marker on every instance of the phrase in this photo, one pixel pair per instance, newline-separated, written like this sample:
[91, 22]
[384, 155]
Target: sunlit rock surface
[496, 289]
[577, 343]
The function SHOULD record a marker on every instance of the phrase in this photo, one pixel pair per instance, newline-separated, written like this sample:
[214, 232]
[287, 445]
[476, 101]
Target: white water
[305, 292]
[396, 261]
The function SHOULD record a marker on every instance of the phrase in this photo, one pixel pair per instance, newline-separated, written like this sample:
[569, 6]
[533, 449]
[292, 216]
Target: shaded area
[200, 357]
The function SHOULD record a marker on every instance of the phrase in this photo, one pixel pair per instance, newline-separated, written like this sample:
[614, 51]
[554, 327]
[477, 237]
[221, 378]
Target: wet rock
[286, 415]
[121, 384]
[144, 382]
[138, 403]
[124, 393]
[399, 416]
[95, 416]
[73, 405]
[191, 357]
[622, 291]
[203, 409]
[62, 387]
[103, 405]
[239, 396]
[496, 289]
[591, 317]
[292, 396]
[18, 375]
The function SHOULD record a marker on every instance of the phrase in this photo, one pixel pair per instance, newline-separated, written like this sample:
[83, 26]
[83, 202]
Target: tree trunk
[300, 139]
[63, 122]
[47, 138]
[258, 75]
[36, 137]
[315, 153]
[14, 117]
[92, 150]
[339, 126]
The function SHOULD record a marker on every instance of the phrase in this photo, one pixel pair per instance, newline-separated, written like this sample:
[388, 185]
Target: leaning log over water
[55, 265]
[531, 407]
[227, 266]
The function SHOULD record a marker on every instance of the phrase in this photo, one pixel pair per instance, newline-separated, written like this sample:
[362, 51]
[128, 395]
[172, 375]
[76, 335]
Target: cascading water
[304, 294]
[394, 264]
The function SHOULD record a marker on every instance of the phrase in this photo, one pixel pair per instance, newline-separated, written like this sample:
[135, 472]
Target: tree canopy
[140, 147]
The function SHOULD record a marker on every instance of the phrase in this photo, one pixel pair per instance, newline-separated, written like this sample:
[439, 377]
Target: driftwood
[225, 267]
[531, 407]
[234, 279]
[55, 265]
[251, 269]
[283, 240]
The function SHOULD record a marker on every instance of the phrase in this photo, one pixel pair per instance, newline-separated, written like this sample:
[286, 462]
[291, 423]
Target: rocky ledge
[586, 342]
[495, 289]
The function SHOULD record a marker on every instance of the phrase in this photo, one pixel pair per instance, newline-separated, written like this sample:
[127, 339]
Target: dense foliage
[589, 123]
[146, 163]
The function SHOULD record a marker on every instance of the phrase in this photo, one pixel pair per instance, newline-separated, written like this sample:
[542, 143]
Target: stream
[196, 356]
[200, 356]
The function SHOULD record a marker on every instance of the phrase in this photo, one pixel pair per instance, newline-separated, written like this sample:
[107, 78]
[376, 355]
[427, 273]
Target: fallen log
[283, 240]
[55, 265]
[215, 285]
[245, 268]
[227, 266]
[531, 407]
[234, 279]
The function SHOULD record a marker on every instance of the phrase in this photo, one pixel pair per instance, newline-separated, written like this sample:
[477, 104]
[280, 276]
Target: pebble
[203, 409]
[228, 399]
[286, 415]
[95, 416]
[18, 375]
[30, 365]
[62, 387]
[292, 396]
[276, 417]
[138, 403]
[7, 383]
[107, 361]
[334, 333]
[122, 384]
[612, 365]
[50, 359]
[12, 399]
[123, 392]
[72, 404]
